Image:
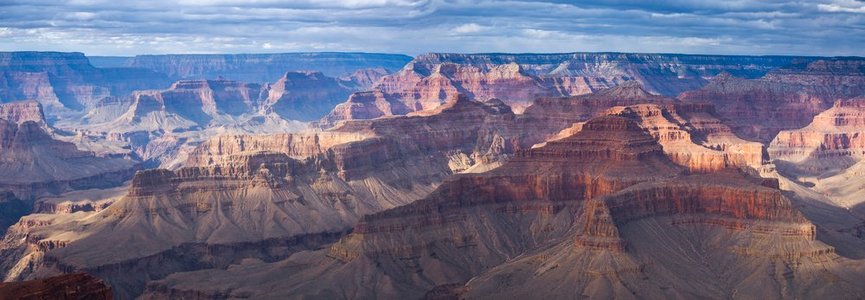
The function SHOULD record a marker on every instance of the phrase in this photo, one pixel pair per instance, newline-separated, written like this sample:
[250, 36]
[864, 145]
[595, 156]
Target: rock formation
[66, 81]
[597, 214]
[832, 142]
[692, 136]
[517, 79]
[786, 98]
[309, 186]
[72, 286]
[33, 163]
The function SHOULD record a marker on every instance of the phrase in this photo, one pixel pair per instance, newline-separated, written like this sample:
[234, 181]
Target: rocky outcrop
[67, 81]
[833, 140]
[602, 206]
[692, 136]
[33, 163]
[783, 99]
[20, 112]
[306, 183]
[306, 96]
[72, 286]
[517, 79]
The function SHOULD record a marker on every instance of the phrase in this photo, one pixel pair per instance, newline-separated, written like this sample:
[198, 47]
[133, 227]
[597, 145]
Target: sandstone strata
[517, 79]
[597, 202]
[787, 98]
[32, 162]
[311, 187]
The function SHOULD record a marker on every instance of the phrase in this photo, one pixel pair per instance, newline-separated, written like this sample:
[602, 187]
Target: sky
[121, 27]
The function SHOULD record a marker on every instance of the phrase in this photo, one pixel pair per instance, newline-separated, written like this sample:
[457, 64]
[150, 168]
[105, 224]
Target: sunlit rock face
[598, 214]
[518, 79]
[787, 98]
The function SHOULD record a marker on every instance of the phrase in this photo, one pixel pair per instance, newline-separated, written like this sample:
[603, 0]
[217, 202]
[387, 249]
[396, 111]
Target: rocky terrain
[599, 202]
[786, 98]
[518, 79]
[72, 286]
[353, 175]
[34, 163]
[312, 187]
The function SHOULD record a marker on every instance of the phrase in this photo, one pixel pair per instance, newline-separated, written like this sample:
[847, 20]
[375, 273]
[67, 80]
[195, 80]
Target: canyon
[440, 176]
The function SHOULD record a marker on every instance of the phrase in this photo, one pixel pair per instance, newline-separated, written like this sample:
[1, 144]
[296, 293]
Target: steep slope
[832, 142]
[598, 201]
[692, 136]
[517, 79]
[786, 98]
[827, 155]
[305, 96]
[264, 197]
[32, 162]
[66, 83]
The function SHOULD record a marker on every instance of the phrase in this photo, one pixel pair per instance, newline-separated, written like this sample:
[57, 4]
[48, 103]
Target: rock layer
[72, 286]
[517, 79]
[597, 202]
[32, 162]
[787, 98]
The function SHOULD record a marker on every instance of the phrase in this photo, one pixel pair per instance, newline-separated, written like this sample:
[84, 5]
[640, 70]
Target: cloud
[126, 27]
[469, 28]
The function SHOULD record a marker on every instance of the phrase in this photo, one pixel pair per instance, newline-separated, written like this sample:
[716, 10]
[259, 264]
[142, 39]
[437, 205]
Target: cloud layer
[124, 27]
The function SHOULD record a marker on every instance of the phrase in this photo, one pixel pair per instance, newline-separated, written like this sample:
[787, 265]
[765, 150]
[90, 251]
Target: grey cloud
[122, 27]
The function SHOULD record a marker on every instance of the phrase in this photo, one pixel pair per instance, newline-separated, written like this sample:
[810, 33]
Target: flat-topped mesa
[785, 98]
[19, 112]
[264, 67]
[834, 137]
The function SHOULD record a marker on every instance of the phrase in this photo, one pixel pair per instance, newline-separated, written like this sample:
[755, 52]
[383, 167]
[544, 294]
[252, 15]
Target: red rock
[72, 286]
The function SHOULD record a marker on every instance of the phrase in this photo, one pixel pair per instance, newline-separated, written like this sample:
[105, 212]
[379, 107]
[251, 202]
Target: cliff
[833, 141]
[312, 186]
[787, 98]
[517, 79]
[604, 205]
[305, 96]
[32, 162]
[66, 81]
